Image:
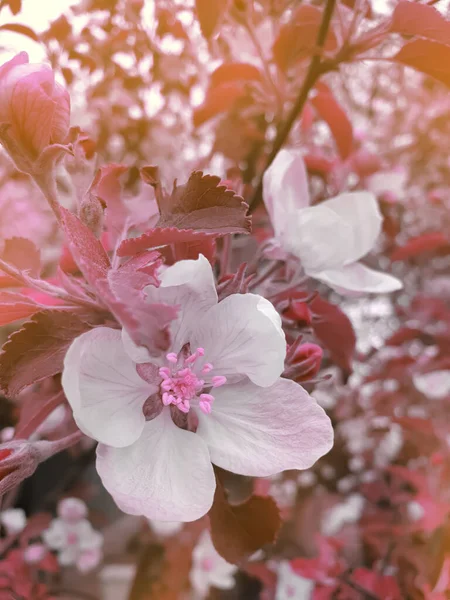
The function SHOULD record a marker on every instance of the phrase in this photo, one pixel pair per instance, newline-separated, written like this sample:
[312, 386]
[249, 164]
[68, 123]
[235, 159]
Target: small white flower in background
[215, 397]
[13, 520]
[435, 385]
[7, 434]
[389, 446]
[349, 511]
[209, 569]
[389, 184]
[330, 238]
[291, 586]
[165, 529]
[73, 537]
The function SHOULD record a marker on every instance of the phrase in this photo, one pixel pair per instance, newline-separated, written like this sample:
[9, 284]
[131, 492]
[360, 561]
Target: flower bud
[19, 459]
[304, 362]
[34, 110]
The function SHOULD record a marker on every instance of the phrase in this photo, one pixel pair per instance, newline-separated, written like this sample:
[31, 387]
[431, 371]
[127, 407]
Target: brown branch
[315, 70]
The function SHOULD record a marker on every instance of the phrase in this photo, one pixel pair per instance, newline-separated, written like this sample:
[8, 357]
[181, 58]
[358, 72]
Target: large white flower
[217, 396]
[329, 238]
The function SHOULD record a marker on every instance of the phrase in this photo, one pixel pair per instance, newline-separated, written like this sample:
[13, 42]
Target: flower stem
[39, 417]
[315, 70]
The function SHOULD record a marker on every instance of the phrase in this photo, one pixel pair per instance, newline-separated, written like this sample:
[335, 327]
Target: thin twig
[315, 70]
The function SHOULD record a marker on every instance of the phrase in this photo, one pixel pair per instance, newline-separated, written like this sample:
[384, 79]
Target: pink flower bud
[34, 109]
[19, 459]
[304, 363]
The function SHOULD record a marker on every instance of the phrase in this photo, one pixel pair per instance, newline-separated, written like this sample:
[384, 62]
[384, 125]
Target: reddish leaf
[210, 13]
[385, 586]
[37, 350]
[86, 249]
[204, 205]
[404, 334]
[431, 58]
[428, 242]
[411, 18]
[192, 250]
[147, 323]
[22, 254]
[318, 163]
[297, 39]
[235, 72]
[14, 307]
[334, 330]
[19, 28]
[239, 531]
[160, 236]
[218, 100]
[336, 118]
[15, 6]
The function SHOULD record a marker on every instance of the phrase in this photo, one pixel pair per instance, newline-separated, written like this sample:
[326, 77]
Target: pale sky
[37, 14]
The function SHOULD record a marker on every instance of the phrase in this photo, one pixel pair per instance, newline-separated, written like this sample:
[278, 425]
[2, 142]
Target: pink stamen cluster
[181, 383]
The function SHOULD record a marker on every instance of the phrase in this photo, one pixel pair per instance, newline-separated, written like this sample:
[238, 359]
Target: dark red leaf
[336, 118]
[334, 330]
[14, 307]
[426, 56]
[22, 254]
[19, 28]
[160, 236]
[297, 38]
[239, 531]
[412, 18]
[428, 242]
[319, 164]
[210, 13]
[219, 99]
[204, 205]
[405, 334]
[37, 350]
[147, 323]
[86, 249]
[192, 250]
[235, 72]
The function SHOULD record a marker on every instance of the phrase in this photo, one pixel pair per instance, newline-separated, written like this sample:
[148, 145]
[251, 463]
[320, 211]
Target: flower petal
[166, 475]
[189, 284]
[285, 189]
[102, 386]
[242, 335]
[319, 237]
[262, 431]
[357, 278]
[361, 212]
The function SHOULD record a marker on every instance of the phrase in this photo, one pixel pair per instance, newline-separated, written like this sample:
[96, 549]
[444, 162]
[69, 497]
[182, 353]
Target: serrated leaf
[37, 350]
[203, 204]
